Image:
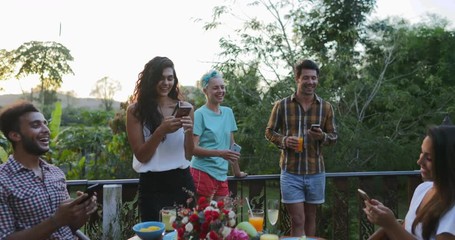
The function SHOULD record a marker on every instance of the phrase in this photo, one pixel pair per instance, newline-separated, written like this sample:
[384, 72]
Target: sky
[115, 38]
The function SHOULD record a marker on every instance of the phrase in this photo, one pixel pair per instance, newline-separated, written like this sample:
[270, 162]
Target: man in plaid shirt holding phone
[300, 125]
[34, 201]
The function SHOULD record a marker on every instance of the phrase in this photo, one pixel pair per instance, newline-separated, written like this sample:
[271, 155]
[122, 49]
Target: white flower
[189, 227]
[231, 214]
[231, 222]
[185, 220]
[209, 208]
[226, 231]
[213, 204]
[172, 219]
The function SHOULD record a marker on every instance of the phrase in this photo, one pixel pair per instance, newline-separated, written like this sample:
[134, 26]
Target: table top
[283, 238]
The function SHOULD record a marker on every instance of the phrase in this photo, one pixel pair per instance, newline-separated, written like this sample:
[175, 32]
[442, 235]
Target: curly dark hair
[145, 95]
[9, 116]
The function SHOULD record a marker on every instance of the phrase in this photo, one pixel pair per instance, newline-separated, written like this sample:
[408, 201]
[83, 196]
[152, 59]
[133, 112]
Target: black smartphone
[314, 126]
[181, 110]
[90, 191]
[363, 195]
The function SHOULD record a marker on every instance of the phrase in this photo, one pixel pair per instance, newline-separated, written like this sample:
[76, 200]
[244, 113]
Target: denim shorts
[308, 188]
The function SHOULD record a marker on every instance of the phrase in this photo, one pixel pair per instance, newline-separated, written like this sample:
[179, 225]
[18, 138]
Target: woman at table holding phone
[431, 214]
[162, 143]
[213, 134]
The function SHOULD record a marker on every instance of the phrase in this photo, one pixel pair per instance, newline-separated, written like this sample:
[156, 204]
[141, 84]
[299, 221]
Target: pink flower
[237, 234]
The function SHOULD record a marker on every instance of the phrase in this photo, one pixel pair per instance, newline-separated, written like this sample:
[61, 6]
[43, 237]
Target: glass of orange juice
[300, 142]
[256, 218]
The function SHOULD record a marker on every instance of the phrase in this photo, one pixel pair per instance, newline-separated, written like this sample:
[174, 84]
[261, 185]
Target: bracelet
[186, 131]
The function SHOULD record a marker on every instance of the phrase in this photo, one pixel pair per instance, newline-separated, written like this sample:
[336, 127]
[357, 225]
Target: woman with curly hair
[162, 144]
[431, 214]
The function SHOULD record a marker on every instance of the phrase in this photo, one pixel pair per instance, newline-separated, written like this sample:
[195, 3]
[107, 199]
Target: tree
[105, 89]
[47, 59]
[6, 69]
[387, 80]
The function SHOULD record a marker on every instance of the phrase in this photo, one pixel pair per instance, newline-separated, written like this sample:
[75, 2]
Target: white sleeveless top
[170, 154]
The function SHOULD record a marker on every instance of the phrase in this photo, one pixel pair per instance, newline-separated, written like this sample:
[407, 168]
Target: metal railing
[341, 215]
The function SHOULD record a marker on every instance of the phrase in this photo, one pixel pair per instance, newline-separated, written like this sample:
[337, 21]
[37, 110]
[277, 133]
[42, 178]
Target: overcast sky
[116, 38]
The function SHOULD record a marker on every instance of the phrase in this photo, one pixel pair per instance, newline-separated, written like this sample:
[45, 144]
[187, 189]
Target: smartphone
[90, 191]
[181, 110]
[363, 195]
[236, 148]
[314, 126]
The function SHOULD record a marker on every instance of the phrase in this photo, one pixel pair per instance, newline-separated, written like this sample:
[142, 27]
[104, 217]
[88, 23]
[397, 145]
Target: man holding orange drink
[300, 125]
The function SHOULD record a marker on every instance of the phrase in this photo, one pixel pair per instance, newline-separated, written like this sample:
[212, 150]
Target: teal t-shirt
[214, 131]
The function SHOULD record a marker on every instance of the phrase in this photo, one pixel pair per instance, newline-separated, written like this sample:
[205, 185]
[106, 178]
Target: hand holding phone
[363, 195]
[90, 192]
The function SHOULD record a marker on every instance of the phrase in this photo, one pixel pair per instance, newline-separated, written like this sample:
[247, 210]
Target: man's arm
[41, 231]
[330, 133]
[7, 224]
[273, 124]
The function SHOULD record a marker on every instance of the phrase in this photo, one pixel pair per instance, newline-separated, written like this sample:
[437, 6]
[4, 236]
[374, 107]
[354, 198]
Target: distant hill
[67, 100]
[190, 94]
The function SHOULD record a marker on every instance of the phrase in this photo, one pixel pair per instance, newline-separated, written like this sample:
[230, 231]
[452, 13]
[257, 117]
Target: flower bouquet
[207, 220]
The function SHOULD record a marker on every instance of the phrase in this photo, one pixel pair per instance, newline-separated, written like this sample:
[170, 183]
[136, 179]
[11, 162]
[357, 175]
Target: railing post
[112, 206]
[340, 214]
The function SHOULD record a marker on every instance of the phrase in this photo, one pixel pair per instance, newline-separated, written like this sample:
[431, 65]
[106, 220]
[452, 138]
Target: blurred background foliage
[387, 79]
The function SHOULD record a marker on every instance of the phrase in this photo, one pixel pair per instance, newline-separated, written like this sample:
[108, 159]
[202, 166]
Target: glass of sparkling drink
[273, 206]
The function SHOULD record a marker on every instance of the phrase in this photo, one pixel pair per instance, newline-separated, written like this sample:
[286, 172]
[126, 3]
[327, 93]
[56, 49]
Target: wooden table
[284, 237]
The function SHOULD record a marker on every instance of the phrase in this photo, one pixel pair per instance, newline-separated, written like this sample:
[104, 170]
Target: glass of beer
[166, 215]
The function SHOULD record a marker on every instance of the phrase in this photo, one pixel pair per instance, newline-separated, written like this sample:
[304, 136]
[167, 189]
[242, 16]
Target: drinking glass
[273, 206]
[256, 218]
[166, 214]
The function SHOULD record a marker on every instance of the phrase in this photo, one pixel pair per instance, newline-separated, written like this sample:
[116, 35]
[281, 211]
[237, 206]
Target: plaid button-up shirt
[288, 119]
[26, 200]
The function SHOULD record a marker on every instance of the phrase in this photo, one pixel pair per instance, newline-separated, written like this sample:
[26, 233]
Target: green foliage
[6, 69]
[54, 123]
[387, 80]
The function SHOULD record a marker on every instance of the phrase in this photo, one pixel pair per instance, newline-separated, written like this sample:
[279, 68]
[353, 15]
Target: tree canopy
[388, 80]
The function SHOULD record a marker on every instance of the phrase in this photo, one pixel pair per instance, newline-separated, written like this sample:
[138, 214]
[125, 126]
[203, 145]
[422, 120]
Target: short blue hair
[209, 75]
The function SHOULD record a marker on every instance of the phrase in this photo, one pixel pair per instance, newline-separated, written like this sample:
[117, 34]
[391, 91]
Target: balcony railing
[341, 215]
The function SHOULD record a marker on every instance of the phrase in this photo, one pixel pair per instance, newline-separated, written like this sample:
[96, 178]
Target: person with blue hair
[213, 136]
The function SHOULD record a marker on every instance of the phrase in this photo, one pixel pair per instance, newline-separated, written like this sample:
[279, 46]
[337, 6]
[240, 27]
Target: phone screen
[90, 191]
[314, 126]
[236, 148]
[183, 111]
[363, 195]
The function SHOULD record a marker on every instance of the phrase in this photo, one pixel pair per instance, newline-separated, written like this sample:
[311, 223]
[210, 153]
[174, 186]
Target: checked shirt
[26, 200]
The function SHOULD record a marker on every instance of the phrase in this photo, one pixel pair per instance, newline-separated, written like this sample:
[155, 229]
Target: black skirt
[162, 189]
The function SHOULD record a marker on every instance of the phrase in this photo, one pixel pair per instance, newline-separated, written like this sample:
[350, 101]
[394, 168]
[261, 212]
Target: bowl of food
[149, 230]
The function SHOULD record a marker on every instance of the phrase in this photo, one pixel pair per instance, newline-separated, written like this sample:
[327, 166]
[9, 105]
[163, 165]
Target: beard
[31, 147]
